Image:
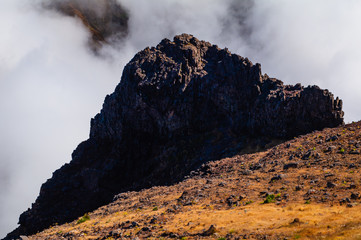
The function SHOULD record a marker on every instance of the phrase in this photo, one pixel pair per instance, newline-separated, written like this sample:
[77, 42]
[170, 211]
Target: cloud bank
[50, 87]
[51, 84]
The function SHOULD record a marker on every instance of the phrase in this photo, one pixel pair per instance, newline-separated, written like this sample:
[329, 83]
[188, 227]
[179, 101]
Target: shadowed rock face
[177, 106]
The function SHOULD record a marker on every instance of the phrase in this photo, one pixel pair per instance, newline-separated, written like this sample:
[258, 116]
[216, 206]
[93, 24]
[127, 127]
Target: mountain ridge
[178, 106]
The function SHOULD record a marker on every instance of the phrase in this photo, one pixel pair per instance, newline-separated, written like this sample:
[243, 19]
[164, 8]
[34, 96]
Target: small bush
[155, 209]
[271, 198]
[248, 202]
[83, 218]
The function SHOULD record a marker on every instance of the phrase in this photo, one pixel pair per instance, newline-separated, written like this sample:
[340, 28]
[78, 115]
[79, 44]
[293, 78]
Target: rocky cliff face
[177, 106]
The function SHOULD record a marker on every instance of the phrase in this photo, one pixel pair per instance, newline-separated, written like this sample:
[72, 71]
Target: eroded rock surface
[177, 106]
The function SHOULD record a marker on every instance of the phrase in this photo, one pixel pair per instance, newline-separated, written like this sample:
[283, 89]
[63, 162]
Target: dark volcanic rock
[290, 165]
[177, 106]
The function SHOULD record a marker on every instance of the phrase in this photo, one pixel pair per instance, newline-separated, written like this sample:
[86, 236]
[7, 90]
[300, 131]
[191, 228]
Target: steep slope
[177, 106]
[306, 188]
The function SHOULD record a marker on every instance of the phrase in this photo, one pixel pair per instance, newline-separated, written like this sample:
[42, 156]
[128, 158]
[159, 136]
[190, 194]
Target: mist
[50, 87]
[51, 83]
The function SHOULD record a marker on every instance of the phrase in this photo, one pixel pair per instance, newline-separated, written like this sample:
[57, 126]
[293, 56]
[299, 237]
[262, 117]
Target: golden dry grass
[319, 209]
[316, 221]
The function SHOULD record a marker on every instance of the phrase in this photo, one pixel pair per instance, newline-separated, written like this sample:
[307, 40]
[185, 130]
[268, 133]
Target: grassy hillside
[306, 188]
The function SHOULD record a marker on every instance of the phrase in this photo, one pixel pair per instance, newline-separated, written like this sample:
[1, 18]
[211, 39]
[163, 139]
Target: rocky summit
[177, 106]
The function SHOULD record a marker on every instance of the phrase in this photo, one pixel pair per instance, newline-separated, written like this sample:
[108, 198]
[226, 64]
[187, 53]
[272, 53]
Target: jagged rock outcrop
[177, 106]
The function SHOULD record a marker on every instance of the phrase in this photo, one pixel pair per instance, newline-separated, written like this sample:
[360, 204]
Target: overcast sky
[51, 84]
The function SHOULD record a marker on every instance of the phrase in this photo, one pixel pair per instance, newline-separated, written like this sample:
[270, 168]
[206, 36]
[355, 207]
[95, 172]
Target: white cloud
[311, 42]
[50, 87]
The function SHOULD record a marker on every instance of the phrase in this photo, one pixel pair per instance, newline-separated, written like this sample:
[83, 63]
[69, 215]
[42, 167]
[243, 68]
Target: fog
[51, 84]
[50, 87]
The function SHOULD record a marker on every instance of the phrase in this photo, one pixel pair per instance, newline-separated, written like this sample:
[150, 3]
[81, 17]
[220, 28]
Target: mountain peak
[177, 106]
